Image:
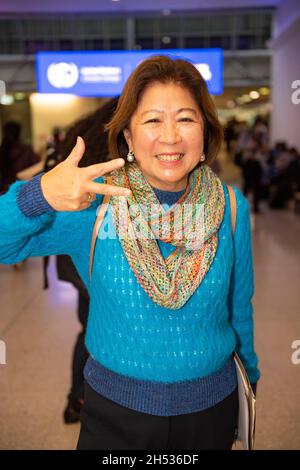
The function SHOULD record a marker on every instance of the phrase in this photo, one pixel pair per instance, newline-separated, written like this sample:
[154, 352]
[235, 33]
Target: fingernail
[121, 161]
[128, 192]
[77, 140]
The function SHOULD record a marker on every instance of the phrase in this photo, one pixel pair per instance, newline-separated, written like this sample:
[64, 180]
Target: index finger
[100, 188]
[100, 169]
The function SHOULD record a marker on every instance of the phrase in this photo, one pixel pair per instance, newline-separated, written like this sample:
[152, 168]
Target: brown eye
[186, 119]
[152, 120]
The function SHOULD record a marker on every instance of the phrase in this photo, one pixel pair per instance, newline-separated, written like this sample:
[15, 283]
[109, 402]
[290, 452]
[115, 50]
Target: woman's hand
[70, 188]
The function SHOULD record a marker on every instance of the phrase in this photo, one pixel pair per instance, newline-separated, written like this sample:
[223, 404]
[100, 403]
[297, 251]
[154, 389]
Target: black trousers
[80, 354]
[105, 425]
[252, 174]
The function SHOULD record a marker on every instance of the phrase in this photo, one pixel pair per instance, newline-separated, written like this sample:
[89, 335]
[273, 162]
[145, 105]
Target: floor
[38, 328]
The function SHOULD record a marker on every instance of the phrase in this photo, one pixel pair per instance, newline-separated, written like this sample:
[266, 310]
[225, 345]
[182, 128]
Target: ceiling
[127, 6]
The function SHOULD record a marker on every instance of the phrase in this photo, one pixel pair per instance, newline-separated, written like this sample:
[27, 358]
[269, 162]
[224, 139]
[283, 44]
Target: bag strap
[98, 222]
[232, 200]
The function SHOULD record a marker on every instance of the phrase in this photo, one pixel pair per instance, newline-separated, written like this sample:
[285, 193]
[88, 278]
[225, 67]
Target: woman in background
[92, 129]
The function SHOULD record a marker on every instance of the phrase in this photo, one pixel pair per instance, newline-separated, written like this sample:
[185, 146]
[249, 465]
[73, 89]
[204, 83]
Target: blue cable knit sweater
[129, 336]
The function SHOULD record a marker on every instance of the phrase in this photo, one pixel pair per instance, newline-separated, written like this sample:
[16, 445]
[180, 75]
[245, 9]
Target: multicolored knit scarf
[191, 226]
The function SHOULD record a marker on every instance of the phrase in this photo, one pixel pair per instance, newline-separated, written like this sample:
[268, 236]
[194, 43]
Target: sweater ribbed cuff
[31, 200]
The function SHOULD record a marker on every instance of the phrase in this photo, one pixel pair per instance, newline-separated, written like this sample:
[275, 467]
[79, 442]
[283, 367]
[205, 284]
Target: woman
[170, 301]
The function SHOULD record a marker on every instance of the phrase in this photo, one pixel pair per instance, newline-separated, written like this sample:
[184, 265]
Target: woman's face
[166, 135]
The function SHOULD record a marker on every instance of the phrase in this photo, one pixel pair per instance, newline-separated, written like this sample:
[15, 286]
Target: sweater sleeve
[30, 227]
[242, 289]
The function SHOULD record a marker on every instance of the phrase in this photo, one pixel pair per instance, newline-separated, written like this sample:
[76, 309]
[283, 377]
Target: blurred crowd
[270, 173]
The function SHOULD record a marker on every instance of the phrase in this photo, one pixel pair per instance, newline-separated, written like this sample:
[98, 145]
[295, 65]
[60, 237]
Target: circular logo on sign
[63, 74]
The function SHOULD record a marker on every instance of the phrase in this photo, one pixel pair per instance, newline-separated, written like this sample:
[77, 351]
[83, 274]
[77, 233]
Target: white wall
[287, 12]
[51, 110]
[285, 123]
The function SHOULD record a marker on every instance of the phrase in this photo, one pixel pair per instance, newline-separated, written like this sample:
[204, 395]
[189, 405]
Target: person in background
[230, 135]
[55, 139]
[92, 129]
[251, 155]
[285, 182]
[15, 156]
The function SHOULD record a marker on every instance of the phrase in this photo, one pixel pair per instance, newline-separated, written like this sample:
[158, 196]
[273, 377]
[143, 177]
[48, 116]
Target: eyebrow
[177, 112]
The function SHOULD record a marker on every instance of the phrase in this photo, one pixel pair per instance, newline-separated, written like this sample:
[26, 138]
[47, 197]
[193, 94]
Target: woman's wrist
[31, 200]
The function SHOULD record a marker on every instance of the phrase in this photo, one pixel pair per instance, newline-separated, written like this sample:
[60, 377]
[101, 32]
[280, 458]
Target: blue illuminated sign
[105, 73]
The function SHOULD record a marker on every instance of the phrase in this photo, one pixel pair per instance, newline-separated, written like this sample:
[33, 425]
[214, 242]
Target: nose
[169, 133]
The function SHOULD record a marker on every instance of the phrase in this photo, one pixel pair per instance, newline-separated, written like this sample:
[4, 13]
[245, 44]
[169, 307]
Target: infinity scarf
[191, 225]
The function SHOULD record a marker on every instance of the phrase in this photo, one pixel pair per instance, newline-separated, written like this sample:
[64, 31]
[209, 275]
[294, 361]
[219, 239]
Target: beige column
[285, 120]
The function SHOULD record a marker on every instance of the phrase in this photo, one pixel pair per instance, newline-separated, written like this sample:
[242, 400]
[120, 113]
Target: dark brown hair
[92, 129]
[164, 69]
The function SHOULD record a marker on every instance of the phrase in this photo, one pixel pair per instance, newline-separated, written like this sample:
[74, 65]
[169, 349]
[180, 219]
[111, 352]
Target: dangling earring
[202, 158]
[130, 156]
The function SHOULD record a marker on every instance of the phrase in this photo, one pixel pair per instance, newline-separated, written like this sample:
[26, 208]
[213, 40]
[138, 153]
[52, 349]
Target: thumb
[77, 152]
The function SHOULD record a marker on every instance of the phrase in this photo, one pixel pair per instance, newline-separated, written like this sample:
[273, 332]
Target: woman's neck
[175, 187]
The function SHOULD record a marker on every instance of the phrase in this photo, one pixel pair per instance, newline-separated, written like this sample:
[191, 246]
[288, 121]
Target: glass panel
[217, 41]
[117, 44]
[145, 43]
[196, 25]
[196, 42]
[94, 44]
[35, 45]
[144, 26]
[66, 45]
[244, 42]
[116, 27]
[169, 25]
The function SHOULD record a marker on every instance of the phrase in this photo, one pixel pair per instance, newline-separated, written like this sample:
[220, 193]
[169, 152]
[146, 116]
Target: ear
[127, 135]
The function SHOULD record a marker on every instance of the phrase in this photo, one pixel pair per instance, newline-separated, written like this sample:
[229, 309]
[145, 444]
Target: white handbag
[247, 400]
[247, 407]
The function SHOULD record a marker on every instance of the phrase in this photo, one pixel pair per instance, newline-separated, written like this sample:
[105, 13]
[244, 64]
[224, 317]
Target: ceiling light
[166, 39]
[52, 100]
[7, 100]
[20, 96]
[264, 91]
[246, 98]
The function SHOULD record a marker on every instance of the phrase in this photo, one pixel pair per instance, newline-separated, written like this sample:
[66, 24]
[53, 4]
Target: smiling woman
[172, 88]
[168, 140]
[171, 294]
